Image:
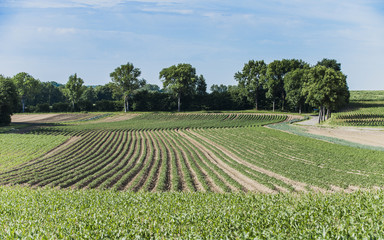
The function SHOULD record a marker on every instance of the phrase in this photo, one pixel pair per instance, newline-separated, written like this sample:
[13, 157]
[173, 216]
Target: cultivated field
[158, 175]
[195, 152]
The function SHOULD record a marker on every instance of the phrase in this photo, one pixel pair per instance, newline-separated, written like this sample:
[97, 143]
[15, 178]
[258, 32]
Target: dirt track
[366, 136]
[48, 117]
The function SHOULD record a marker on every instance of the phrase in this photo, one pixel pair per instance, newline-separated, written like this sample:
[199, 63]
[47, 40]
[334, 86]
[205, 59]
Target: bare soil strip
[372, 137]
[247, 183]
[48, 117]
[298, 186]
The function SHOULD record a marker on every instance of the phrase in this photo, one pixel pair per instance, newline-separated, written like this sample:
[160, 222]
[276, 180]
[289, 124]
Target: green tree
[26, 86]
[74, 89]
[251, 79]
[126, 79]
[201, 86]
[8, 100]
[293, 84]
[330, 63]
[89, 94]
[180, 79]
[219, 88]
[327, 89]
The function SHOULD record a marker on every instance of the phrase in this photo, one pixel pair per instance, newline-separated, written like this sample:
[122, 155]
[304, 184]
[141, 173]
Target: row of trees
[296, 82]
[292, 84]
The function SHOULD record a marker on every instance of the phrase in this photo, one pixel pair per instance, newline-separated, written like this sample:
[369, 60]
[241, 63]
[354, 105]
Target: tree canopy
[180, 79]
[251, 79]
[8, 100]
[325, 88]
[26, 86]
[74, 89]
[126, 80]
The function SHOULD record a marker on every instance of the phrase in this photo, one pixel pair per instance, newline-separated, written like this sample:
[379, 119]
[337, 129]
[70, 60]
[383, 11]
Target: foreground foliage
[54, 214]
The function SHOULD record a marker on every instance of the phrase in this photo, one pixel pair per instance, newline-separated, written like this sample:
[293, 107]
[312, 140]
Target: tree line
[291, 84]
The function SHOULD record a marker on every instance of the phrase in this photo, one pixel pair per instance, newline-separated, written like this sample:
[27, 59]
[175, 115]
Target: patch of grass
[16, 149]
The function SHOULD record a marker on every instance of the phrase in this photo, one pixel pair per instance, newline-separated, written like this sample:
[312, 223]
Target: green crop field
[69, 214]
[366, 109]
[196, 175]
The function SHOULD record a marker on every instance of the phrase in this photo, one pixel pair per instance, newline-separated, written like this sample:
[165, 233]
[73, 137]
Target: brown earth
[366, 136]
[372, 137]
[48, 117]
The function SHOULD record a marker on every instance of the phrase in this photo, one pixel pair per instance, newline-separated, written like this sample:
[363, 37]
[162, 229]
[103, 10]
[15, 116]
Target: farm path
[366, 136]
[48, 117]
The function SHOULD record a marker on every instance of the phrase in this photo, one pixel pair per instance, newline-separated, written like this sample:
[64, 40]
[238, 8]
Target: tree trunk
[273, 105]
[73, 105]
[299, 108]
[22, 103]
[320, 114]
[328, 113]
[126, 104]
[178, 101]
[256, 105]
[323, 113]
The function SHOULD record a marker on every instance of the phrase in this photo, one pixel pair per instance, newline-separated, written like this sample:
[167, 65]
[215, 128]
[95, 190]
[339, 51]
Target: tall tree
[293, 84]
[251, 79]
[327, 89]
[330, 63]
[201, 86]
[219, 88]
[74, 89]
[274, 82]
[8, 100]
[126, 79]
[180, 79]
[276, 72]
[26, 86]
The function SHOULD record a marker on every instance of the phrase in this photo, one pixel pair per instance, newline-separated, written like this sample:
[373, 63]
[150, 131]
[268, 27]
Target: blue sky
[52, 39]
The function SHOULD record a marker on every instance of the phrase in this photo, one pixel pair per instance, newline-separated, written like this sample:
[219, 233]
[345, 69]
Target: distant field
[361, 113]
[366, 109]
[367, 95]
[159, 121]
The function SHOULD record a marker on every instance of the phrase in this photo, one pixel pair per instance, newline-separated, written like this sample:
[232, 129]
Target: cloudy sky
[52, 39]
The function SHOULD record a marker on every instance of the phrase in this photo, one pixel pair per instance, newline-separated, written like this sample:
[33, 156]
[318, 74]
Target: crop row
[213, 160]
[162, 160]
[297, 158]
[168, 121]
[53, 214]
